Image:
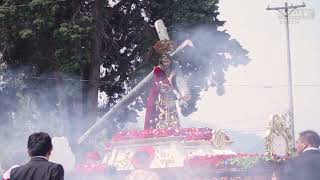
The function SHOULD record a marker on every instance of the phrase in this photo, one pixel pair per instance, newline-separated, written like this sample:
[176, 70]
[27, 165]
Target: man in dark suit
[38, 168]
[306, 166]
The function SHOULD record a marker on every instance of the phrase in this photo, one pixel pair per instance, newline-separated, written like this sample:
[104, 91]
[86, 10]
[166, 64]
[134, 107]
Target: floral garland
[229, 161]
[188, 134]
[242, 161]
[245, 162]
[274, 158]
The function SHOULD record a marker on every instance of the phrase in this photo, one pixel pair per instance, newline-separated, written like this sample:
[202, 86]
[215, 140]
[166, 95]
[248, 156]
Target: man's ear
[49, 152]
[29, 153]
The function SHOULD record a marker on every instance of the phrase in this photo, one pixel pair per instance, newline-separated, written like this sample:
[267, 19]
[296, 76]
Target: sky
[248, 108]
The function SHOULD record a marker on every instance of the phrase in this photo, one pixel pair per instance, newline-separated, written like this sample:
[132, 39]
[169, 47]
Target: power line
[79, 80]
[271, 86]
[240, 85]
[116, 82]
[244, 130]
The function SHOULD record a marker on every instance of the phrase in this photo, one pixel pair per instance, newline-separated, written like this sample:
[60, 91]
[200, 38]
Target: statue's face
[166, 62]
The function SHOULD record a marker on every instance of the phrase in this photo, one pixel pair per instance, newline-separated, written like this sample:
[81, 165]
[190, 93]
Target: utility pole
[286, 14]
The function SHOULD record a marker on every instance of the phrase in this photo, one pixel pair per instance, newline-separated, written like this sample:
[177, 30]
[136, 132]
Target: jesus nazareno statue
[167, 87]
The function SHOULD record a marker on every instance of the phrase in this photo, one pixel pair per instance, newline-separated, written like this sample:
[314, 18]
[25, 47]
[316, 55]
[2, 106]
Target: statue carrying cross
[168, 84]
[169, 50]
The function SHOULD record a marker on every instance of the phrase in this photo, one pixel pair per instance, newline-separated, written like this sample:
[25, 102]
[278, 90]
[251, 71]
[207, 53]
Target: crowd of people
[305, 165]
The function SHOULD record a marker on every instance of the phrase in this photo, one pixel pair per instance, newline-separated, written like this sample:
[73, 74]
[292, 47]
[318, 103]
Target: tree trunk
[94, 66]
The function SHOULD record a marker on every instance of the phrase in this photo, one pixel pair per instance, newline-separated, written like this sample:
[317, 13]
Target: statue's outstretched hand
[184, 100]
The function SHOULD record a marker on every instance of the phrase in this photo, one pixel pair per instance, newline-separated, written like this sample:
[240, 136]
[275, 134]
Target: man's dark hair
[39, 144]
[311, 138]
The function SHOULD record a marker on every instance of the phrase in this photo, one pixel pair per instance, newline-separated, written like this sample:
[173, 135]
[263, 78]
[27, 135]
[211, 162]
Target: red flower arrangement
[108, 147]
[93, 156]
[91, 168]
[188, 134]
[215, 161]
[91, 165]
[143, 157]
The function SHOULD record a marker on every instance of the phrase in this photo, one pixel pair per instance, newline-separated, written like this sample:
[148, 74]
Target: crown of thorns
[164, 46]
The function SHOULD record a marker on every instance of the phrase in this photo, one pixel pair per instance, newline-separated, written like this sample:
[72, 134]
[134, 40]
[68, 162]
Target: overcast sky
[263, 35]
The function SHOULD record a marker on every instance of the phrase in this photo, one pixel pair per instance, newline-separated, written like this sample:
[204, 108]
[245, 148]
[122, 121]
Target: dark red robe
[158, 75]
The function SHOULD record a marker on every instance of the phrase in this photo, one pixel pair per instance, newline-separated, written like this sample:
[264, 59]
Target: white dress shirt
[310, 148]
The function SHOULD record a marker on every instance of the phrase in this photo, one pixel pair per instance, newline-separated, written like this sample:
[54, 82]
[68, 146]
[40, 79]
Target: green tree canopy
[52, 52]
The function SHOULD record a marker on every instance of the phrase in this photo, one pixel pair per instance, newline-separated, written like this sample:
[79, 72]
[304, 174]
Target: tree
[60, 46]
[42, 43]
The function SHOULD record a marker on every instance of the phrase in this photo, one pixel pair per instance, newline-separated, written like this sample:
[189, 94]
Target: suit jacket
[304, 167]
[38, 169]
